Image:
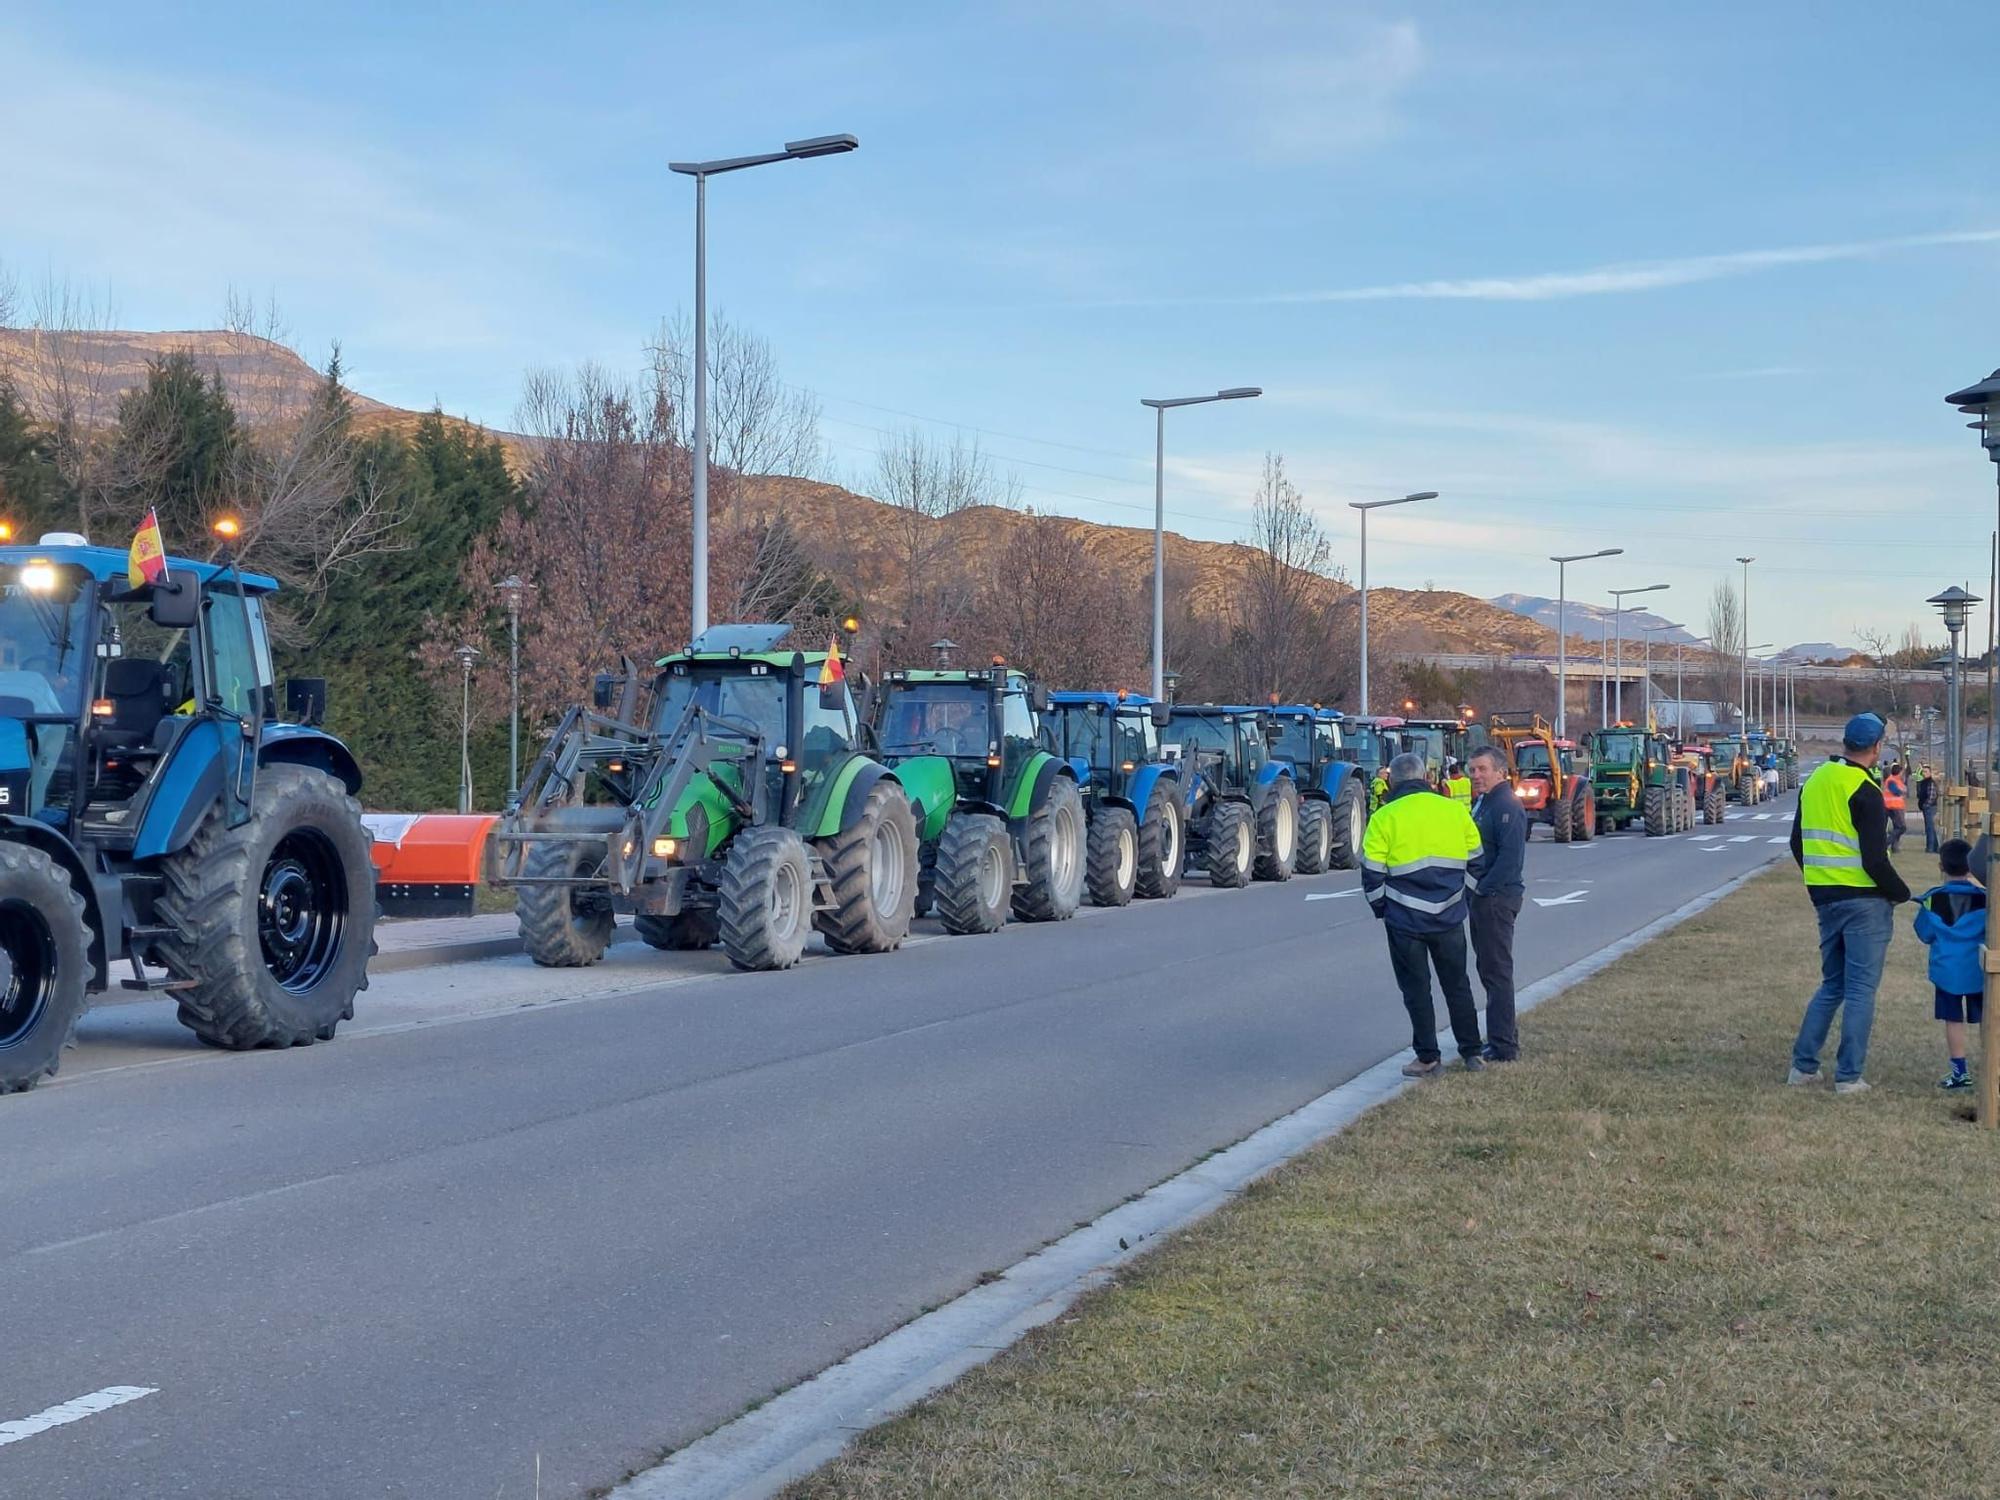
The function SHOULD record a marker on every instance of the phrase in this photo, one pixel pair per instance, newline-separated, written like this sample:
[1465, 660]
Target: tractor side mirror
[604, 691]
[1273, 730]
[1038, 698]
[176, 600]
[305, 700]
[1163, 715]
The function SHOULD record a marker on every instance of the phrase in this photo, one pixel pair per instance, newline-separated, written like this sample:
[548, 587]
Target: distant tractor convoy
[155, 809]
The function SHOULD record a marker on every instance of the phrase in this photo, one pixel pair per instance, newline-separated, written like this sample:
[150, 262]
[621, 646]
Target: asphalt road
[513, 1216]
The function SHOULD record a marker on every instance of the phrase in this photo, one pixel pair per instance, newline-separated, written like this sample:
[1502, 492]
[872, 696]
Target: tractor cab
[1109, 738]
[986, 721]
[1551, 776]
[1370, 742]
[1309, 739]
[1333, 806]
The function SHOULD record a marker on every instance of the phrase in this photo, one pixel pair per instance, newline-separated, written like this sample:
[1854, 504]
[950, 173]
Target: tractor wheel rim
[1170, 845]
[1285, 836]
[887, 868]
[1245, 845]
[1065, 844]
[992, 876]
[1324, 848]
[302, 910]
[785, 902]
[1128, 857]
[27, 970]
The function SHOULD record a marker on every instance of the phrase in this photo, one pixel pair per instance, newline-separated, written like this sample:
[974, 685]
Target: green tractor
[1635, 778]
[725, 799]
[1000, 820]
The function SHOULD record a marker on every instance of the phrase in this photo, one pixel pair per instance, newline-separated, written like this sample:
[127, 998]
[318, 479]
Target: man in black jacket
[1496, 904]
[1927, 804]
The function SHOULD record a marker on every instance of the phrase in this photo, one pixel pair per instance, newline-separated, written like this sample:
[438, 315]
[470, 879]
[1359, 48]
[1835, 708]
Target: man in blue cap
[1840, 838]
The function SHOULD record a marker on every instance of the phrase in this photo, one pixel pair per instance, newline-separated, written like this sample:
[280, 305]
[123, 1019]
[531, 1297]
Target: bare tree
[1883, 654]
[71, 388]
[757, 424]
[1049, 607]
[1281, 614]
[10, 300]
[928, 482]
[1725, 637]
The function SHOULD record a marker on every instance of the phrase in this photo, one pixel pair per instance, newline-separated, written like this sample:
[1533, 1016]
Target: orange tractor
[1550, 776]
[1711, 794]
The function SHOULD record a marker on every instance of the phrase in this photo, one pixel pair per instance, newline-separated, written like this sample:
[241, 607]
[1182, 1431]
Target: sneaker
[1491, 1056]
[1799, 1080]
[1415, 1069]
[1852, 1086]
[1474, 1063]
[1952, 1082]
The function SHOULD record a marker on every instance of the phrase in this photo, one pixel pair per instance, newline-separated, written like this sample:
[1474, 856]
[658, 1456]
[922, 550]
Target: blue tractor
[1242, 806]
[1333, 791]
[1131, 794]
[154, 810]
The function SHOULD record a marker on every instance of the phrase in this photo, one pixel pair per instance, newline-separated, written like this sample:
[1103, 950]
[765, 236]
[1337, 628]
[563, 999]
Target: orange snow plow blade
[428, 864]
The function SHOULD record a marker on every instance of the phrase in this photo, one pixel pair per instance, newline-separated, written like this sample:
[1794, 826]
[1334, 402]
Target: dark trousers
[1897, 828]
[1413, 955]
[1493, 947]
[1930, 830]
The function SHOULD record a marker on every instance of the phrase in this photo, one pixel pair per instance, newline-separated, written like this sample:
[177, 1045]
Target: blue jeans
[1930, 830]
[1853, 941]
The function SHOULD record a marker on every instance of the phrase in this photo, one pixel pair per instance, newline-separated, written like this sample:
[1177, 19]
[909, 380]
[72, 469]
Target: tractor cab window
[1202, 735]
[238, 655]
[1297, 743]
[1017, 721]
[1362, 745]
[1531, 758]
[737, 699]
[1620, 749]
[1134, 739]
[44, 635]
[826, 733]
[1083, 731]
[937, 718]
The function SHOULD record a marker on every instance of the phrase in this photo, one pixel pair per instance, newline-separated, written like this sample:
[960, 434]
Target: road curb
[795, 1433]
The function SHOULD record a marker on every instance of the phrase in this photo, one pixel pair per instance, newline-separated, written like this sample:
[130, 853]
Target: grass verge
[1632, 1264]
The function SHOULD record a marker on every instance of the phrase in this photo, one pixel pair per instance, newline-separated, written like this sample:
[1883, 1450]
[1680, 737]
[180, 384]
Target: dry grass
[1634, 1264]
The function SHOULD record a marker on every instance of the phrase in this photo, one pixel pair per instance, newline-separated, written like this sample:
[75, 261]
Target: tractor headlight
[665, 848]
[38, 578]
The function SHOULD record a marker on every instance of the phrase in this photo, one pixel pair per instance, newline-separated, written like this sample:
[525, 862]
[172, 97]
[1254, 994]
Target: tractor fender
[1271, 770]
[859, 779]
[1143, 781]
[932, 788]
[1333, 781]
[1033, 788]
[38, 835]
[1080, 769]
[183, 790]
[302, 745]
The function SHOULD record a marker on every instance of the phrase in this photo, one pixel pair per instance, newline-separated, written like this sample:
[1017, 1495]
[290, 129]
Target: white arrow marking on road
[72, 1411]
[1330, 895]
[1569, 900]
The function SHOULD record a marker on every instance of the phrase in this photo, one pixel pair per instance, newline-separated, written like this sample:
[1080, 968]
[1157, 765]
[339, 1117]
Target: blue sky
[1690, 280]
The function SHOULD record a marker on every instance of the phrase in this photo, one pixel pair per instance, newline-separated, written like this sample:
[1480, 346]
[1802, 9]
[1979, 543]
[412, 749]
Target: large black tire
[1232, 845]
[1349, 822]
[1278, 831]
[1112, 875]
[47, 965]
[1716, 808]
[1583, 815]
[766, 898]
[684, 932]
[1315, 836]
[873, 869]
[1747, 788]
[1656, 812]
[563, 926]
[1162, 842]
[1562, 819]
[271, 924]
[1051, 888]
[975, 873]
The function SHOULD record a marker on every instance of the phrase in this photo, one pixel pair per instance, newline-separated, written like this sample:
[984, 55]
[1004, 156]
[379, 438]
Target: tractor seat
[137, 688]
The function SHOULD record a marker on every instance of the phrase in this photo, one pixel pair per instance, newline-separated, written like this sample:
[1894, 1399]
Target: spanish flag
[148, 559]
[831, 677]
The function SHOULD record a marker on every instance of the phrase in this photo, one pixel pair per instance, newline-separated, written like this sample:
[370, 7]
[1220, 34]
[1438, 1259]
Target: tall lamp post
[1160, 405]
[1743, 623]
[1562, 633]
[511, 590]
[467, 655]
[1364, 506]
[1981, 402]
[1618, 626]
[1649, 631]
[1953, 603]
[1760, 646]
[701, 171]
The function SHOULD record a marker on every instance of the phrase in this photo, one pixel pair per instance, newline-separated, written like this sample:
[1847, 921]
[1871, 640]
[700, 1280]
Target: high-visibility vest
[1459, 788]
[1827, 836]
[1893, 793]
[1414, 857]
[1377, 790]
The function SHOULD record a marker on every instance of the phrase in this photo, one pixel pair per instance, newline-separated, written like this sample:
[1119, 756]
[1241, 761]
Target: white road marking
[1781, 839]
[1706, 835]
[1743, 838]
[1331, 895]
[1572, 899]
[1759, 817]
[72, 1411]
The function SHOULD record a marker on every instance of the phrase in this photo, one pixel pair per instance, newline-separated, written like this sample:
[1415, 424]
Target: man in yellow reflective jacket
[1420, 856]
[1840, 839]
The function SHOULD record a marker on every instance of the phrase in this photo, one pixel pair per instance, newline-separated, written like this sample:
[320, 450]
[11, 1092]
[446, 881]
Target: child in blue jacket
[1951, 920]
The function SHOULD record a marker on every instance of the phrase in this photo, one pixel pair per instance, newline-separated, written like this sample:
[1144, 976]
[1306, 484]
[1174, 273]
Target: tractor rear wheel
[1113, 872]
[1348, 822]
[1656, 812]
[44, 961]
[1278, 831]
[766, 898]
[1162, 842]
[873, 870]
[1231, 845]
[683, 932]
[1315, 836]
[975, 873]
[1562, 819]
[563, 926]
[1053, 869]
[272, 923]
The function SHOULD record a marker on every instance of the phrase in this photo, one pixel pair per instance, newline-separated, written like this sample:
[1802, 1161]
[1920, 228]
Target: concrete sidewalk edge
[758, 1453]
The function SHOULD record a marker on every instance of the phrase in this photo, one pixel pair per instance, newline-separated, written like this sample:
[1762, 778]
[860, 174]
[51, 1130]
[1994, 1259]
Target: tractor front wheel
[1716, 808]
[1162, 842]
[1113, 867]
[766, 898]
[1231, 845]
[272, 923]
[1054, 865]
[563, 924]
[1656, 812]
[1278, 832]
[1315, 836]
[1347, 825]
[44, 961]
[684, 932]
[975, 873]
[873, 869]
[1562, 819]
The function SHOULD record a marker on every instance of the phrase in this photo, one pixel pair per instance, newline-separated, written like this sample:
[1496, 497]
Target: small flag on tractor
[831, 675]
[148, 559]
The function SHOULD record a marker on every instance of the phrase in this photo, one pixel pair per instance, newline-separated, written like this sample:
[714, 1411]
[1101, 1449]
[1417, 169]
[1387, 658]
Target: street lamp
[1649, 631]
[511, 589]
[1743, 706]
[1160, 405]
[1618, 625]
[1953, 603]
[701, 171]
[467, 655]
[1981, 402]
[1364, 506]
[1562, 633]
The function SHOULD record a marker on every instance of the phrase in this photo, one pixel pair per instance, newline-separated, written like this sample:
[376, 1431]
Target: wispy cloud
[1601, 281]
